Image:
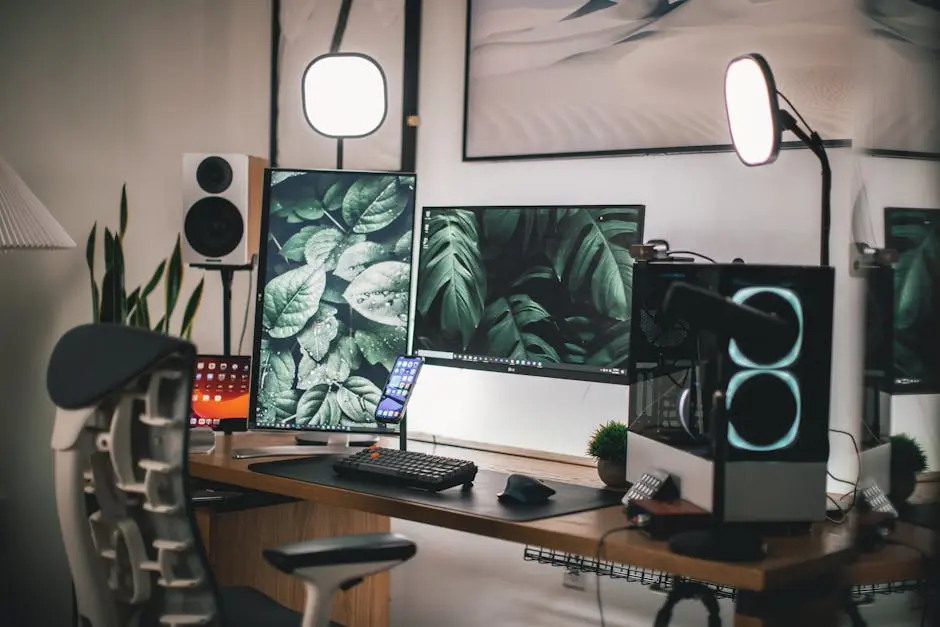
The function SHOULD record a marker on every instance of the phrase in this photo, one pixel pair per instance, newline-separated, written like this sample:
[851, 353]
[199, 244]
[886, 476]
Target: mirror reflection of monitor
[333, 299]
[544, 291]
[915, 349]
[751, 105]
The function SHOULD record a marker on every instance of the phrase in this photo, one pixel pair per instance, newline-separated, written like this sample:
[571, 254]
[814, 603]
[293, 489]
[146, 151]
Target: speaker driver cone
[214, 227]
[214, 175]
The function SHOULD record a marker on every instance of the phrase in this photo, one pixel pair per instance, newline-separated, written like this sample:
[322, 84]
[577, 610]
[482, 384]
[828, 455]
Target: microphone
[711, 311]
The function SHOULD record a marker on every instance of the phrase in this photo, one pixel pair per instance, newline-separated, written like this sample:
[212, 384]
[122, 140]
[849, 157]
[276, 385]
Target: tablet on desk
[221, 390]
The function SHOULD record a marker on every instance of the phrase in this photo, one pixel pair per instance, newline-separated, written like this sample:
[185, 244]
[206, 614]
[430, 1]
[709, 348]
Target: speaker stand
[227, 275]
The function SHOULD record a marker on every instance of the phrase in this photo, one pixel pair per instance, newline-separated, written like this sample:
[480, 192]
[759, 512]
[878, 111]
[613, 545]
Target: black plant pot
[903, 485]
[613, 474]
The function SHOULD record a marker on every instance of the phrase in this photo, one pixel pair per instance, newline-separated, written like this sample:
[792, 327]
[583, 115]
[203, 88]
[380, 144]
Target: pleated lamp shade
[24, 220]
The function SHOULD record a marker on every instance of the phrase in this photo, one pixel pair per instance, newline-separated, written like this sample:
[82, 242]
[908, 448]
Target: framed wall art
[565, 78]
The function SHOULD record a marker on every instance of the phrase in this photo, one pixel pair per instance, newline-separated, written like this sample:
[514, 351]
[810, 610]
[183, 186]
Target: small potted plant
[907, 460]
[608, 446]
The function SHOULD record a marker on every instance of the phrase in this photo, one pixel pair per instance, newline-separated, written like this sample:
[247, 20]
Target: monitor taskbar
[524, 366]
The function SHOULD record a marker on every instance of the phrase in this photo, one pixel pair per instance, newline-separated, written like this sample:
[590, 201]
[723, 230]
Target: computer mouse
[525, 490]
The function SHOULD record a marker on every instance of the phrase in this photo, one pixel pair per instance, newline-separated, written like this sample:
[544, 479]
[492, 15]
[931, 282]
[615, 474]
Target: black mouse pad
[480, 500]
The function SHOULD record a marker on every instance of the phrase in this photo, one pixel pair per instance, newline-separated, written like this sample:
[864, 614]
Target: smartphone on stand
[398, 387]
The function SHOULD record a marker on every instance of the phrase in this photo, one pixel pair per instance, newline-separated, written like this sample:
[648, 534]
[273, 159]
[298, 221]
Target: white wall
[95, 95]
[707, 203]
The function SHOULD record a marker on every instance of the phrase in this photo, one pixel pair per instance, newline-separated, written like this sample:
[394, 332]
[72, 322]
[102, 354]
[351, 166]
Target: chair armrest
[353, 549]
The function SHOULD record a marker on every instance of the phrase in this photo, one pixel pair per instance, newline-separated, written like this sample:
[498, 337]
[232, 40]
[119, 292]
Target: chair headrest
[92, 361]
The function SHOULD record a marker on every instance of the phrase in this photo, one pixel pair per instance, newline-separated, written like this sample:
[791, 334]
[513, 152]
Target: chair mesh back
[132, 452]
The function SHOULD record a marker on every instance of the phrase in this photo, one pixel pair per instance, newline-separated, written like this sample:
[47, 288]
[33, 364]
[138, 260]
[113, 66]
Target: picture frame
[556, 79]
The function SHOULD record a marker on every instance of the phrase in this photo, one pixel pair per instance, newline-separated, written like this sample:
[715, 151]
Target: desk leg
[236, 540]
[813, 604]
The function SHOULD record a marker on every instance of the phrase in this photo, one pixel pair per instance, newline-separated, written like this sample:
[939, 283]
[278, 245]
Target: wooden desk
[236, 539]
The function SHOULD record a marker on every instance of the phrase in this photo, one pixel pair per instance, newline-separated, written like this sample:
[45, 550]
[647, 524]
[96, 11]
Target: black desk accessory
[409, 469]
[525, 490]
[714, 313]
[481, 500]
[654, 484]
[227, 275]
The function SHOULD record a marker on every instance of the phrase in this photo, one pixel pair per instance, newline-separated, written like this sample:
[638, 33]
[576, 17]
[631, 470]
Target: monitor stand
[323, 438]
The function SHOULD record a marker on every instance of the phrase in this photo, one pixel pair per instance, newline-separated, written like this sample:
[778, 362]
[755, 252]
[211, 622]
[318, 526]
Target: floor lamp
[25, 224]
[344, 97]
[756, 122]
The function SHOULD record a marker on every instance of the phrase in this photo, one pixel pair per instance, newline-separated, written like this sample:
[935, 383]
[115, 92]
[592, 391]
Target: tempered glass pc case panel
[333, 297]
[534, 290]
[915, 234]
[777, 388]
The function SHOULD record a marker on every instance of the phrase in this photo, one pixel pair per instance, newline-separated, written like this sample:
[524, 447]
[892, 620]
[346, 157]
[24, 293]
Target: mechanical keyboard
[408, 469]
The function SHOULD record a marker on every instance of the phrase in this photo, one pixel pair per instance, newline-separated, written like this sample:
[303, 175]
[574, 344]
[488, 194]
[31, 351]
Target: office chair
[136, 557]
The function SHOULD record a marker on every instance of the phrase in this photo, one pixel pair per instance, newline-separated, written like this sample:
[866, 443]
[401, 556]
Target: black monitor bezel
[395, 430]
[893, 385]
[576, 374]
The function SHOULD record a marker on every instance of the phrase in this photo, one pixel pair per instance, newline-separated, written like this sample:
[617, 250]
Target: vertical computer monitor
[221, 391]
[333, 301]
[543, 291]
[915, 234]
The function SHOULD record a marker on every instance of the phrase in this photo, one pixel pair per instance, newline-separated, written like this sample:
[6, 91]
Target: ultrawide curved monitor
[334, 285]
[543, 291]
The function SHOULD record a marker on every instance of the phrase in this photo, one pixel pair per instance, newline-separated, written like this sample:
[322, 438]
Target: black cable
[858, 472]
[690, 252]
[797, 113]
[340, 29]
[248, 299]
[597, 571]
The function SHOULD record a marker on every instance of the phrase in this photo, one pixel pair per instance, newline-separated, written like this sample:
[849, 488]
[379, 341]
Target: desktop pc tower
[776, 388]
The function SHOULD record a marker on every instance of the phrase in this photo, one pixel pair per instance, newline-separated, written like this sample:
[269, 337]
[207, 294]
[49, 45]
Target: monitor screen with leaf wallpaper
[334, 295]
[532, 290]
[915, 234]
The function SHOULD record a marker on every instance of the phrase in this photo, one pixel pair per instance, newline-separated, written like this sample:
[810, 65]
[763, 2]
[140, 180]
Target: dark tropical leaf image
[336, 284]
[915, 234]
[543, 284]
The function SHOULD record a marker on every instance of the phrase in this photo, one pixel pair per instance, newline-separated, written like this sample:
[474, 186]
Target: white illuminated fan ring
[734, 351]
[735, 439]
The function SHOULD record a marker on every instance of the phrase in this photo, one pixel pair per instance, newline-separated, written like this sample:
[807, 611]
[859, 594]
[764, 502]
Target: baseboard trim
[547, 456]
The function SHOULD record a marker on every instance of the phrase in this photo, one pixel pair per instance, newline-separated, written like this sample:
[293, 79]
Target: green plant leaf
[291, 299]
[534, 274]
[342, 359]
[609, 442]
[293, 248]
[189, 312]
[173, 283]
[329, 414]
[404, 246]
[277, 371]
[382, 344]
[505, 321]
[324, 247]
[279, 409]
[451, 268]
[335, 287]
[594, 266]
[123, 212]
[154, 280]
[371, 204]
[500, 226]
[296, 198]
[358, 398]
[915, 281]
[108, 249]
[113, 305]
[90, 261]
[357, 258]
[381, 292]
[132, 302]
[310, 404]
[322, 329]
[612, 346]
[160, 324]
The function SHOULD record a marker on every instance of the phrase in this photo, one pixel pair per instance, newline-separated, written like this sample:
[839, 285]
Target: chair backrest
[120, 442]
